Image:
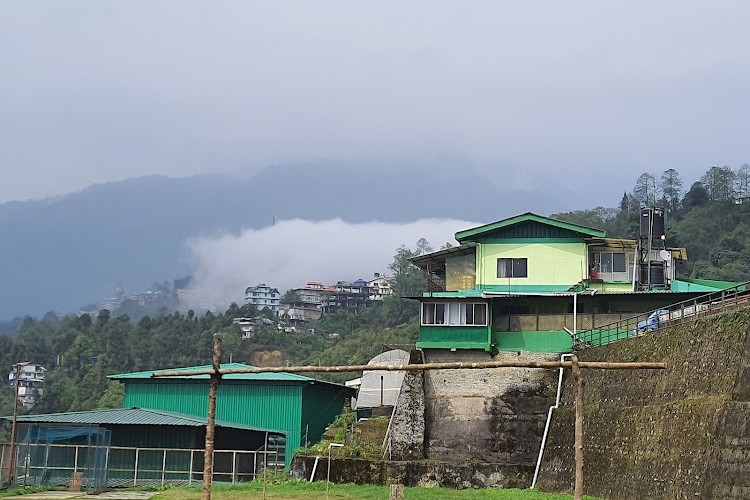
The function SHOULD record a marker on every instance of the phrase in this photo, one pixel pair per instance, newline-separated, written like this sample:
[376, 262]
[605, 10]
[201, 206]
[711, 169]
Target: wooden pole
[600, 365]
[14, 430]
[208, 456]
[578, 380]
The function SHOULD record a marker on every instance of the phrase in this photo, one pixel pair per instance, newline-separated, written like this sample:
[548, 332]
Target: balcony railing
[736, 297]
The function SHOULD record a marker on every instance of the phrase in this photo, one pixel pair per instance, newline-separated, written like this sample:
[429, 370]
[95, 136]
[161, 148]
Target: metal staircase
[733, 298]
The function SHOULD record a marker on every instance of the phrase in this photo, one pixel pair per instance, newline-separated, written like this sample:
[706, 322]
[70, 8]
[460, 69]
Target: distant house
[263, 297]
[348, 296]
[380, 286]
[30, 382]
[295, 313]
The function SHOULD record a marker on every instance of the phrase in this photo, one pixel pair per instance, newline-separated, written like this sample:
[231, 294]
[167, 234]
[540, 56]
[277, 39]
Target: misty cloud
[293, 252]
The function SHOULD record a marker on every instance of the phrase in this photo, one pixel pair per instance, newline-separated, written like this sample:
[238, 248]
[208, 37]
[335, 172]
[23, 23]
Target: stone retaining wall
[414, 473]
[677, 433]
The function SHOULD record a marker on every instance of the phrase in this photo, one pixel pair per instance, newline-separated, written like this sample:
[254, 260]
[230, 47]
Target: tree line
[711, 219]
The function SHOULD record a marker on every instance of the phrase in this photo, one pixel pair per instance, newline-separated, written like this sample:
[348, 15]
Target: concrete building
[380, 287]
[30, 382]
[263, 297]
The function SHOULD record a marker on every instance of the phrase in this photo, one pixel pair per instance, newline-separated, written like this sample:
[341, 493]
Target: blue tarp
[650, 323]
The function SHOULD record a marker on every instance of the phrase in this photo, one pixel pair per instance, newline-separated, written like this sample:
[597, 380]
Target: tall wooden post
[14, 430]
[578, 380]
[208, 457]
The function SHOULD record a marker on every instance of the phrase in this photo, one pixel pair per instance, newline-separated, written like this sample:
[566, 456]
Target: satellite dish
[664, 255]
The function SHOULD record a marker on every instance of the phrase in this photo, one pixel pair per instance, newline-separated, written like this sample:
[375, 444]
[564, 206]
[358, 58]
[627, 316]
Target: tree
[625, 202]
[291, 296]
[113, 397]
[407, 279]
[719, 183]
[671, 190]
[695, 197]
[645, 190]
[742, 181]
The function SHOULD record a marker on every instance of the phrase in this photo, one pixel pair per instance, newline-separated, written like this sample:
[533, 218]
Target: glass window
[610, 262]
[428, 313]
[454, 313]
[468, 313]
[618, 263]
[480, 314]
[439, 314]
[512, 268]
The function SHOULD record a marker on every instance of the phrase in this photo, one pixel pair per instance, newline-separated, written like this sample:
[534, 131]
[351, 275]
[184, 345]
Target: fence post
[190, 476]
[135, 466]
[163, 467]
[234, 467]
[255, 465]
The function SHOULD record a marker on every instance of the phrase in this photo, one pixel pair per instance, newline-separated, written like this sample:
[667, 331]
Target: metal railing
[735, 297]
[128, 466]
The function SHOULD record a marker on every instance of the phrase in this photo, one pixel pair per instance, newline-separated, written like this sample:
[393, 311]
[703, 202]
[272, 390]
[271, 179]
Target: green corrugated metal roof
[529, 217]
[280, 377]
[128, 416]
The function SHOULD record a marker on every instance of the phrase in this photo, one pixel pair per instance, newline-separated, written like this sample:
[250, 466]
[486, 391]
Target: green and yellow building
[514, 284]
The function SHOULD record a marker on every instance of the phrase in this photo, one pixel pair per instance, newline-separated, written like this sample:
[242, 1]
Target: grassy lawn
[302, 489]
[21, 490]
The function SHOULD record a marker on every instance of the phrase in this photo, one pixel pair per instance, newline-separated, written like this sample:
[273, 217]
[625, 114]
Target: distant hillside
[61, 253]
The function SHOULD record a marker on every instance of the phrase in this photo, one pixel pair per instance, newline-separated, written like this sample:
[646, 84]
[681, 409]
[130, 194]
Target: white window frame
[454, 313]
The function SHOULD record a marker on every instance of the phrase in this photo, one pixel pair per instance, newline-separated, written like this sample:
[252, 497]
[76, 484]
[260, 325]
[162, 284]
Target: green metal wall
[267, 406]
[321, 403]
[454, 337]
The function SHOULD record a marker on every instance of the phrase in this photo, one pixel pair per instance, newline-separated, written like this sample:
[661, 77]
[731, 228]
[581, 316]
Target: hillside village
[527, 287]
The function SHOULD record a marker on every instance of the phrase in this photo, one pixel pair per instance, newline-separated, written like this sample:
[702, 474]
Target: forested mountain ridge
[64, 252]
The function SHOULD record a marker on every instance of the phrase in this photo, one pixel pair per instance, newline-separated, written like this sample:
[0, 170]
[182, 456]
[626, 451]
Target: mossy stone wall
[682, 432]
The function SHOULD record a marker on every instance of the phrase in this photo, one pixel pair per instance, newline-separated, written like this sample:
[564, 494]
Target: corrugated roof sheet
[127, 416]
[277, 377]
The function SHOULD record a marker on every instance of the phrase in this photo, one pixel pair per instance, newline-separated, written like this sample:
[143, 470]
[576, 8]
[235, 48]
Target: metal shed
[139, 446]
[299, 407]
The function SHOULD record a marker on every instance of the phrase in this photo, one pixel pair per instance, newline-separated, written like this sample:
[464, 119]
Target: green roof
[529, 217]
[127, 416]
[260, 377]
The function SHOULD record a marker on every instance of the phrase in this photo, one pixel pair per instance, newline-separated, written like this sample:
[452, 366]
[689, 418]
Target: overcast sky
[589, 93]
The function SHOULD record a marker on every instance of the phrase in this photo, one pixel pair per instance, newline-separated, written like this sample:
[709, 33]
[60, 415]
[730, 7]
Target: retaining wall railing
[736, 297]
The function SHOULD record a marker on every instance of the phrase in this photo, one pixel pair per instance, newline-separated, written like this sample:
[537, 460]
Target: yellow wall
[548, 263]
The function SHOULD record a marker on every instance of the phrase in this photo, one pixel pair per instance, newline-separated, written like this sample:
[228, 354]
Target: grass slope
[317, 490]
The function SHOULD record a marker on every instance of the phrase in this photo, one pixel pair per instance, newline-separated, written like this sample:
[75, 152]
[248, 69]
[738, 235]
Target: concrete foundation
[486, 415]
